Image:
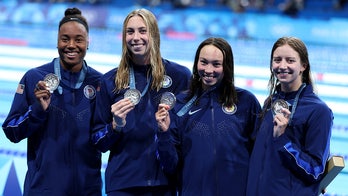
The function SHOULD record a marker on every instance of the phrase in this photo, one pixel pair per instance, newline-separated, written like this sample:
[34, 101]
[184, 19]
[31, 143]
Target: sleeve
[308, 159]
[167, 146]
[26, 115]
[181, 76]
[254, 120]
[103, 135]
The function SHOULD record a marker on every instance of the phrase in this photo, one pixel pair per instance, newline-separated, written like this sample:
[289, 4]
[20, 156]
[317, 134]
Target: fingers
[286, 112]
[122, 107]
[162, 106]
[41, 85]
[280, 122]
[41, 92]
[163, 120]
[162, 111]
[120, 110]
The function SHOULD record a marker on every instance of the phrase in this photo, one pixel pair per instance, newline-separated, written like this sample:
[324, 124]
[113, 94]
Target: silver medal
[169, 99]
[52, 82]
[134, 96]
[277, 106]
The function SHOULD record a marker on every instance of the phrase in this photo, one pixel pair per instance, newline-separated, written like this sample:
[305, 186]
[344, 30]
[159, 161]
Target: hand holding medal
[52, 82]
[133, 95]
[277, 106]
[168, 99]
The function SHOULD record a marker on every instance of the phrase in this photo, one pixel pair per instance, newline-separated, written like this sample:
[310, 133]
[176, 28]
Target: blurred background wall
[28, 36]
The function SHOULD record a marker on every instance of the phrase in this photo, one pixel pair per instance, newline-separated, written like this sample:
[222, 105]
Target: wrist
[119, 122]
[117, 129]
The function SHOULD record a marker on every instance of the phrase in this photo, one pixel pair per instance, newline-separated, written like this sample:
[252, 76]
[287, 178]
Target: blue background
[28, 34]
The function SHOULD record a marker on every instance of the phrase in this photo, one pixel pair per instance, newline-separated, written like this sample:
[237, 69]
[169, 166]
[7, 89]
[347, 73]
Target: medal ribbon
[189, 104]
[294, 105]
[132, 81]
[80, 79]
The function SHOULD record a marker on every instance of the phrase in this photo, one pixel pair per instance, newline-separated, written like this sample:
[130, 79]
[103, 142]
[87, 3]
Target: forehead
[285, 50]
[73, 27]
[136, 22]
[212, 51]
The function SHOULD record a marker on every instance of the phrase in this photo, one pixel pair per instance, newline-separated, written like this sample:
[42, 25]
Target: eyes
[205, 62]
[289, 60]
[78, 39]
[131, 31]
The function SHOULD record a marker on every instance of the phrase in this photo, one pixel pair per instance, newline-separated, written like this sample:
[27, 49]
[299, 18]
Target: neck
[140, 60]
[72, 68]
[291, 87]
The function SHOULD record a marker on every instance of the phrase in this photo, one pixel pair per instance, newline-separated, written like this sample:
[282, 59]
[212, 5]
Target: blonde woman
[124, 122]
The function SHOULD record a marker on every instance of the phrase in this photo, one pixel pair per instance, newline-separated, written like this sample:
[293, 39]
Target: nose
[283, 64]
[136, 35]
[71, 44]
[209, 68]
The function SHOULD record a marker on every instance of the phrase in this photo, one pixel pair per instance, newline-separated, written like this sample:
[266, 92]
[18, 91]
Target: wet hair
[153, 55]
[301, 49]
[74, 14]
[228, 94]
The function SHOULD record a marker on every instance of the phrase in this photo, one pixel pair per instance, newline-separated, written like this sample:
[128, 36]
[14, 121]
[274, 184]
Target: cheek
[274, 66]
[128, 39]
[200, 68]
[221, 75]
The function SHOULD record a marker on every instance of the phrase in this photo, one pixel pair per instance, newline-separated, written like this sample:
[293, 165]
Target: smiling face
[287, 67]
[210, 66]
[72, 45]
[137, 39]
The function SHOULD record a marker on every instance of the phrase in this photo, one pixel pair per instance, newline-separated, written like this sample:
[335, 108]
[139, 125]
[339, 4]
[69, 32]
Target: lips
[71, 54]
[208, 78]
[137, 46]
[282, 72]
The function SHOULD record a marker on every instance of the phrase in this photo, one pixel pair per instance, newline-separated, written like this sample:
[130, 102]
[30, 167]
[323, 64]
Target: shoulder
[243, 93]
[314, 103]
[111, 74]
[181, 100]
[93, 71]
[41, 70]
[173, 67]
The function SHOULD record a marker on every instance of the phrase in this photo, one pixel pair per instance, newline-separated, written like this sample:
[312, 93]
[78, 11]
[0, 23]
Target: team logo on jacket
[229, 110]
[167, 82]
[89, 92]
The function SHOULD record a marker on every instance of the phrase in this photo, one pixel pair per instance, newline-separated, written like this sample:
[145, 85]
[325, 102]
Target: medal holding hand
[281, 121]
[167, 103]
[43, 89]
[120, 110]
[162, 117]
[42, 94]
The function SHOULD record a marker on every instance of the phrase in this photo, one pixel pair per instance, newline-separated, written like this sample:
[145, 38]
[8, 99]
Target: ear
[304, 67]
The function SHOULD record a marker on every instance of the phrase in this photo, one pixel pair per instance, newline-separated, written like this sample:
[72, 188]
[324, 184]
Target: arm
[308, 159]
[103, 134]
[26, 115]
[109, 117]
[166, 152]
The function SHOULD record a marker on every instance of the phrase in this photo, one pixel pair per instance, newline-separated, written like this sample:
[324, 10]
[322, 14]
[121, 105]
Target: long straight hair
[301, 49]
[153, 55]
[228, 94]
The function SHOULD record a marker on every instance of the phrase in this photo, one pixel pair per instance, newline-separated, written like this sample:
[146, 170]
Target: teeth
[71, 54]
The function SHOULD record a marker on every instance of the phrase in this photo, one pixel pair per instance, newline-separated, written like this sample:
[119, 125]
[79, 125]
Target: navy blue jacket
[61, 159]
[292, 164]
[210, 145]
[132, 159]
